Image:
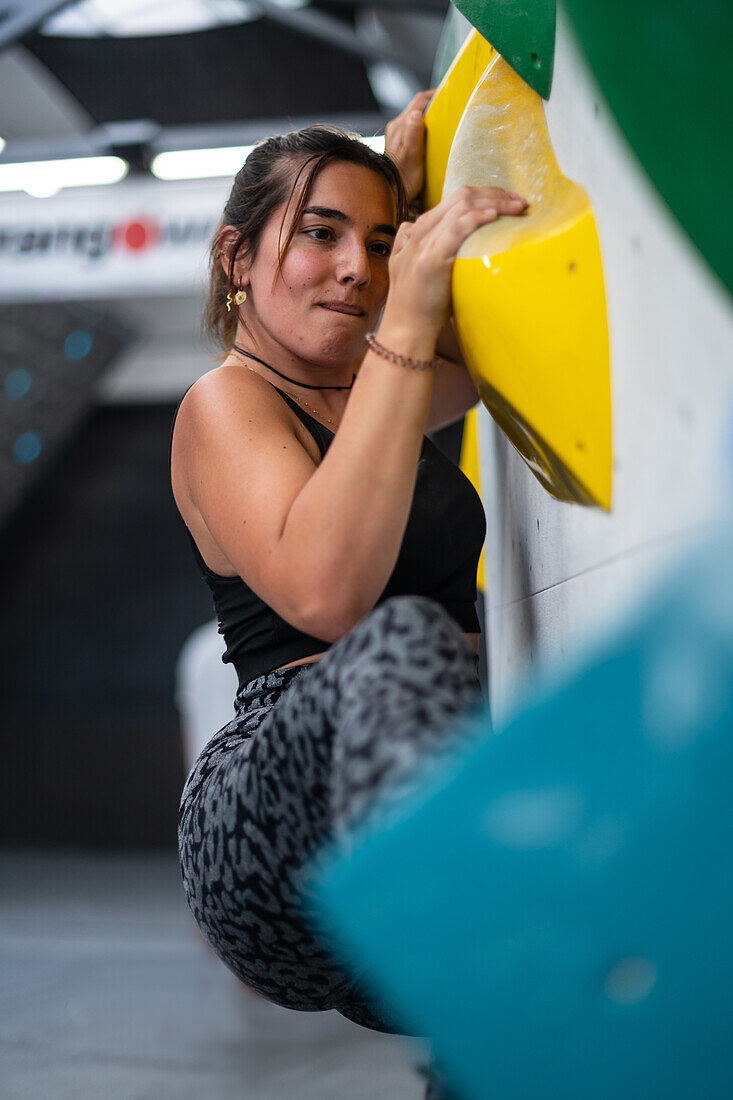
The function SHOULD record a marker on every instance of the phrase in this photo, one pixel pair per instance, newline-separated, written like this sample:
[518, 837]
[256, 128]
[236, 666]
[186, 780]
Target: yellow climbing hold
[470, 463]
[528, 294]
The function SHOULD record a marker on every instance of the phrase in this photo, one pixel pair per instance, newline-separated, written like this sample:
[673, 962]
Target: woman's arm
[453, 390]
[363, 489]
[318, 542]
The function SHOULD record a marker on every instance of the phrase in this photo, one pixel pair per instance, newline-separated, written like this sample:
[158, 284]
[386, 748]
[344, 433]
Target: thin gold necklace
[304, 403]
[301, 401]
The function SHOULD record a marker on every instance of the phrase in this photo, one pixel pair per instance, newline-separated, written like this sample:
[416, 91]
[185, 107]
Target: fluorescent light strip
[43, 178]
[198, 164]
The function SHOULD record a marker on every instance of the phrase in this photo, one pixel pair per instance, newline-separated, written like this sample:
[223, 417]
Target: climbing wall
[560, 576]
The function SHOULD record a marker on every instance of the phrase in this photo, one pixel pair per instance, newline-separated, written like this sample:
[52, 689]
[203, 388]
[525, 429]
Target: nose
[354, 264]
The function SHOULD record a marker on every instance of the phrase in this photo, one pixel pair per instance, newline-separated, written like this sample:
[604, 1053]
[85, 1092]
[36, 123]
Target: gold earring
[237, 297]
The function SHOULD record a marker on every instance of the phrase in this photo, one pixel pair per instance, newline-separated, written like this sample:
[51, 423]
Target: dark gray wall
[98, 590]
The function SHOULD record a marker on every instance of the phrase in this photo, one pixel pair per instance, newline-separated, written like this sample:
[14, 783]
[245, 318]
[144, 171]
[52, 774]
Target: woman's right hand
[423, 254]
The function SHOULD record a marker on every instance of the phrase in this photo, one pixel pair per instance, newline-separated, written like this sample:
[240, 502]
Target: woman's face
[334, 274]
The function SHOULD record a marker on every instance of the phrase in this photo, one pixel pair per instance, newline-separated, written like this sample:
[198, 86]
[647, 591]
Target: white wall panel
[550, 632]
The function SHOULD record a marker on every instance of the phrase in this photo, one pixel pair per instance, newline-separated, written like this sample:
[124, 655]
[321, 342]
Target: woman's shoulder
[232, 410]
[233, 404]
[229, 390]
[228, 437]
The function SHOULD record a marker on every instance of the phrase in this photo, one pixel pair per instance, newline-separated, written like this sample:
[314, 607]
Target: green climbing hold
[523, 31]
[664, 67]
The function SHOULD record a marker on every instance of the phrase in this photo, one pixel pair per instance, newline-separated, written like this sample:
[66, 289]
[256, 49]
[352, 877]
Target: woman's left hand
[405, 142]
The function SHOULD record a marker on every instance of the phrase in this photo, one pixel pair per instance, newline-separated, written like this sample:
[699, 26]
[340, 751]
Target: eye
[381, 248]
[320, 233]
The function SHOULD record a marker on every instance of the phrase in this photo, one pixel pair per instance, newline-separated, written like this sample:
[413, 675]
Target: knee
[420, 618]
[410, 638]
[419, 609]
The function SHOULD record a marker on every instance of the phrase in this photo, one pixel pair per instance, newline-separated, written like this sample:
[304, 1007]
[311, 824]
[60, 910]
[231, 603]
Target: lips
[343, 307]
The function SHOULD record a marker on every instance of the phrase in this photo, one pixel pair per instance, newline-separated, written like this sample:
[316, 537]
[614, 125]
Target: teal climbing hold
[554, 912]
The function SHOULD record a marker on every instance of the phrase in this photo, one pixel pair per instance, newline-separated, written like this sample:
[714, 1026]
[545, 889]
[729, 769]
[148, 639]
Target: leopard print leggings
[311, 751]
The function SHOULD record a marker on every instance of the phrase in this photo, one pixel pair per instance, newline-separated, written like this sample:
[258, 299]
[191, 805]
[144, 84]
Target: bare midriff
[471, 638]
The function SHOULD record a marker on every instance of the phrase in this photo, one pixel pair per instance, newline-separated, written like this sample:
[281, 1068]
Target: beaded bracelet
[401, 360]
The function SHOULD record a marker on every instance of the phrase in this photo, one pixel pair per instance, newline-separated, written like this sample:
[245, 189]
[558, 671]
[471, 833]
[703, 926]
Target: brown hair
[265, 182]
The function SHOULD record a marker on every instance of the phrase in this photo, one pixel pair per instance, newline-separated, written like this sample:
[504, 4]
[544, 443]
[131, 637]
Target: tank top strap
[322, 435]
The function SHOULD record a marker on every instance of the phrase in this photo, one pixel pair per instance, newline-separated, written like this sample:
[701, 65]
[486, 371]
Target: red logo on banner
[137, 235]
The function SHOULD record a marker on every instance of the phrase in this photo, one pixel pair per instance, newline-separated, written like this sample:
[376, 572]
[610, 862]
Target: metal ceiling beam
[105, 139]
[326, 28]
[213, 135]
[20, 17]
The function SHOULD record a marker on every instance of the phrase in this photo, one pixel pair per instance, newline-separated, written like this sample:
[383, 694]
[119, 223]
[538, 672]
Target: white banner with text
[131, 239]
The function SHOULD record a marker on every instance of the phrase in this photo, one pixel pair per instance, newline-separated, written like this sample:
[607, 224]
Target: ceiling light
[197, 164]
[43, 178]
[141, 18]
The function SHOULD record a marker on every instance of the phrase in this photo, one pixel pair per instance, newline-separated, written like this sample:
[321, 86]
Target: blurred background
[122, 123]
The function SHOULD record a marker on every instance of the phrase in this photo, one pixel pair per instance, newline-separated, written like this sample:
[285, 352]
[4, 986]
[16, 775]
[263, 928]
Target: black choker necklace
[293, 381]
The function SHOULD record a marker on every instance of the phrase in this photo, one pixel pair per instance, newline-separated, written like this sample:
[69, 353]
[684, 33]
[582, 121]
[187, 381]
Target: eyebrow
[339, 216]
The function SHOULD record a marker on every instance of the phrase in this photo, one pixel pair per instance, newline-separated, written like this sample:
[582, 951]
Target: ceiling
[256, 69]
[199, 63]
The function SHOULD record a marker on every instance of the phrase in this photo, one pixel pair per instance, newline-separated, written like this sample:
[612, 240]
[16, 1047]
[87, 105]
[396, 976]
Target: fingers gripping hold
[424, 251]
[404, 141]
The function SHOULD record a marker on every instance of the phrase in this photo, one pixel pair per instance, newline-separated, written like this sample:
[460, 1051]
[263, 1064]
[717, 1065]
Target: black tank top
[438, 558]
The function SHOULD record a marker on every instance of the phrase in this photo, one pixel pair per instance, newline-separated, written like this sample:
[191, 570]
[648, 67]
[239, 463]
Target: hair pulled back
[270, 177]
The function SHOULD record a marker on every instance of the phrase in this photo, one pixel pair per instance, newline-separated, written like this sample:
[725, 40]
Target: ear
[226, 242]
